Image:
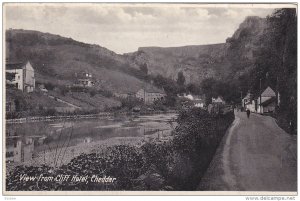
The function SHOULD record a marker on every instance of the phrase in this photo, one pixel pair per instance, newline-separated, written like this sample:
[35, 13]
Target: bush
[49, 86]
[93, 93]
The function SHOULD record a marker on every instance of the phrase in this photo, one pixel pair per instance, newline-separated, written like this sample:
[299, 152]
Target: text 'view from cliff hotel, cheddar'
[150, 97]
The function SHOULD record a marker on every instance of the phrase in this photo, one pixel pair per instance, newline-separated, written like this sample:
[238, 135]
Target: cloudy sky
[125, 28]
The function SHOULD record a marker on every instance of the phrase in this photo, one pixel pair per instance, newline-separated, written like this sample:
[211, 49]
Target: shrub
[49, 86]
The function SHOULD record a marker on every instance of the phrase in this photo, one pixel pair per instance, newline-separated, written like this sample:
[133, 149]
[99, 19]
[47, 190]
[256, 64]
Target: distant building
[218, 100]
[267, 98]
[199, 103]
[21, 76]
[84, 79]
[246, 100]
[42, 88]
[149, 96]
[268, 101]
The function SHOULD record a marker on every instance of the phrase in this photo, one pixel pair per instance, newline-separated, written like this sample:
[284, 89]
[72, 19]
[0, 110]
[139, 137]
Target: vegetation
[144, 68]
[180, 78]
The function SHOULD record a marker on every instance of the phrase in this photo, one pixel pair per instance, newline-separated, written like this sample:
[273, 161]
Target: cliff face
[198, 62]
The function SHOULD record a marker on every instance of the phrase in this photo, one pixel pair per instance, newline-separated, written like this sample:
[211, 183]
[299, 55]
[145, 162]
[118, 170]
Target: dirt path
[255, 155]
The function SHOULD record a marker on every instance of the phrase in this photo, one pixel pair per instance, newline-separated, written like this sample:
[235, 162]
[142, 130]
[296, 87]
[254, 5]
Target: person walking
[248, 113]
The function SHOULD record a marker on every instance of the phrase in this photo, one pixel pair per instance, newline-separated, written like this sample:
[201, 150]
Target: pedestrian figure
[248, 113]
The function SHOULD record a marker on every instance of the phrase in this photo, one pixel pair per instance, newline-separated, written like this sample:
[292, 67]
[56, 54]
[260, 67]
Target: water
[53, 139]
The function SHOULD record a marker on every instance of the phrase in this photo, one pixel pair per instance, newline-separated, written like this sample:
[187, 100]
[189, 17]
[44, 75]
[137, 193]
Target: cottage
[150, 96]
[84, 79]
[218, 100]
[266, 101]
[246, 100]
[21, 76]
[198, 103]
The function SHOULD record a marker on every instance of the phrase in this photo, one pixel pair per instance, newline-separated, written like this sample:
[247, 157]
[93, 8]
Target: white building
[20, 75]
[268, 101]
[84, 79]
[218, 100]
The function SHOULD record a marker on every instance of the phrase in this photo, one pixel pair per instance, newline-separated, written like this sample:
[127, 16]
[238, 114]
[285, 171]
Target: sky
[124, 28]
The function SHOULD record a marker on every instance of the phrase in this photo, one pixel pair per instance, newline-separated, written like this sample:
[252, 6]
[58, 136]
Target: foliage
[144, 68]
[214, 88]
[276, 65]
[130, 102]
[180, 78]
[49, 86]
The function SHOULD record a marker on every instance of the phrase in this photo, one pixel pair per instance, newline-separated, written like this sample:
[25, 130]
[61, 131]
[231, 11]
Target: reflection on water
[31, 140]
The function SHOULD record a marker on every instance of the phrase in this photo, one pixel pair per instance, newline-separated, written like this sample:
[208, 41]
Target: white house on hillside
[20, 75]
[84, 79]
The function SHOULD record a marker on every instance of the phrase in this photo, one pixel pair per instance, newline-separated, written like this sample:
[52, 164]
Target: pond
[43, 142]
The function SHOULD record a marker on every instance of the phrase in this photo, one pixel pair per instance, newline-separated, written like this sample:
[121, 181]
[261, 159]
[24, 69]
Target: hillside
[198, 62]
[56, 59]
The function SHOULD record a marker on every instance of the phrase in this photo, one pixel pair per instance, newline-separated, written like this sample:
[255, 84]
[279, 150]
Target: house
[246, 100]
[21, 76]
[218, 100]
[149, 96]
[84, 79]
[198, 103]
[249, 102]
[42, 88]
[266, 101]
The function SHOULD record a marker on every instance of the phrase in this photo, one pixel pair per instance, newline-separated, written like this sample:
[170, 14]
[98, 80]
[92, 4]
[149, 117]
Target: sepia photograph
[149, 99]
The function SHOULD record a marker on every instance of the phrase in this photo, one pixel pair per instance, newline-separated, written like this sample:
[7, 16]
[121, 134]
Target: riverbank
[101, 115]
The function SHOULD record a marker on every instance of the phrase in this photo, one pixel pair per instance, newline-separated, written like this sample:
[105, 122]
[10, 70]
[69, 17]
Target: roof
[268, 92]
[11, 66]
[198, 101]
[151, 89]
[247, 96]
[219, 99]
[269, 101]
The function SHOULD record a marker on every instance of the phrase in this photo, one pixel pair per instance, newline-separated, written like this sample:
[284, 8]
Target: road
[254, 155]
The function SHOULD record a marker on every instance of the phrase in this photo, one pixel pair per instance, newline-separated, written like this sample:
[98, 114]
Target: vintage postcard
[149, 99]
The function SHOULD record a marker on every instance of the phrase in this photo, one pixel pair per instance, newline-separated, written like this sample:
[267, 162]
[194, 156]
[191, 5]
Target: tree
[180, 78]
[193, 89]
[144, 68]
[278, 60]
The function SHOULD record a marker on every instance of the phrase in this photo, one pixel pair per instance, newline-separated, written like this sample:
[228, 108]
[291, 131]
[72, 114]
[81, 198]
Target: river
[60, 141]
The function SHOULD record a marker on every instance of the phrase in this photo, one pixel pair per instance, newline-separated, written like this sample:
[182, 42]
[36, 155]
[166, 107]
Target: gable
[268, 93]
[28, 66]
